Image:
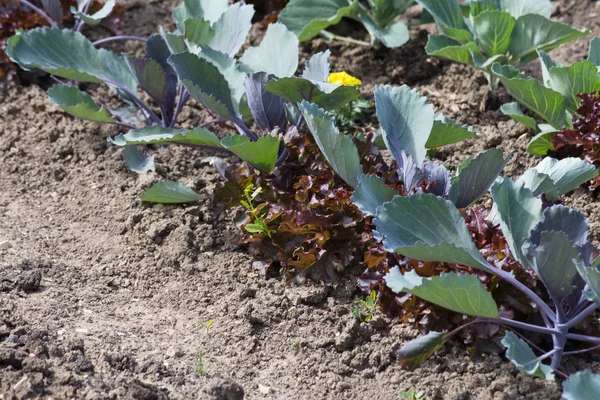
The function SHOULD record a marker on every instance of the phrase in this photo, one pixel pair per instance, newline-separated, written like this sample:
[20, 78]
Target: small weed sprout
[258, 225]
[206, 325]
[411, 394]
[201, 366]
[368, 303]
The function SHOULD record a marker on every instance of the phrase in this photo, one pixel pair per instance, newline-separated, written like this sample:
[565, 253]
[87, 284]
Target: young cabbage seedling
[309, 18]
[495, 32]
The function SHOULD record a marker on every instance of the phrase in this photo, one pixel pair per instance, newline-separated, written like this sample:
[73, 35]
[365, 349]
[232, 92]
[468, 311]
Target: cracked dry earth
[102, 297]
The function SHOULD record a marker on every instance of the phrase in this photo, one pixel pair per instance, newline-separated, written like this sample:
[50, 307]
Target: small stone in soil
[263, 389]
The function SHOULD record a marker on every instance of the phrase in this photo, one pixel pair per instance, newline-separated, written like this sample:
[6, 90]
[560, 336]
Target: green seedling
[206, 325]
[411, 394]
[368, 303]
[202, 367]
[258, 224]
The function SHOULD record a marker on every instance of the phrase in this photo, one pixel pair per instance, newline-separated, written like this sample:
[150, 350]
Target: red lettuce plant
[584, 138]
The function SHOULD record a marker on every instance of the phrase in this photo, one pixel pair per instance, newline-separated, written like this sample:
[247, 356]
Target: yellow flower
[343, 78]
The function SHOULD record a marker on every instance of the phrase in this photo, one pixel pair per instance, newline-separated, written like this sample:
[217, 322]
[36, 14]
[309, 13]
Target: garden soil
[103, 297]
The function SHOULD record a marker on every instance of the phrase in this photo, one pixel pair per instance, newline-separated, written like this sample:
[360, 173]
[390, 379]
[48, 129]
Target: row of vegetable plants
[522, 275]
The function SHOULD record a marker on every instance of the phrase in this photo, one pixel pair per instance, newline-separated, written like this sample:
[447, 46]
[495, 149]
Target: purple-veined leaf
[267, 109]
[158, 50]
[567, 174]
[437, 174]
[231, 71]
[204, 82]
[406, 120]
[371, 192]
[461, 293]
[98, 16]
[338, 149]
[559, 218]
[519, 211]
[54, 10]
[539, 183]
[154, 80]
[428, 228]
[555, 259]
[120, 73]
[410, 172]
[59, 52]
[476, 177]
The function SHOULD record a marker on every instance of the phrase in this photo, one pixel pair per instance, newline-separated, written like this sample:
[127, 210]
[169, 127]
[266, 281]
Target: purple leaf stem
[41, 12]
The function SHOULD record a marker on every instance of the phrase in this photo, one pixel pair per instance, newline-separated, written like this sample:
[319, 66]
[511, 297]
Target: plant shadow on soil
[102, 297]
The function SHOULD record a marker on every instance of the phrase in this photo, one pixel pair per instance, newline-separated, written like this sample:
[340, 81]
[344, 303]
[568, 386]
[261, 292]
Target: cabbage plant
[506, 32]
[555, 100]
[309, 18]
[198, 60]
[425, 223]
[552, 242]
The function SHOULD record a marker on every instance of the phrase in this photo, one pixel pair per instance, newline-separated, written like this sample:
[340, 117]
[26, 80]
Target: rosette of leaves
[195, 61]
[555, 100]
[505, 32]
[271, 98]
[426, 223]
[552, 243]
[409, 127]
[584, 138]
[309, 18]
[16, 16]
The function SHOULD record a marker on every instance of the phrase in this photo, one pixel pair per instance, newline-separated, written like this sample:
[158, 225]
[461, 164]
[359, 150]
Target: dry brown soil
[101, 296]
